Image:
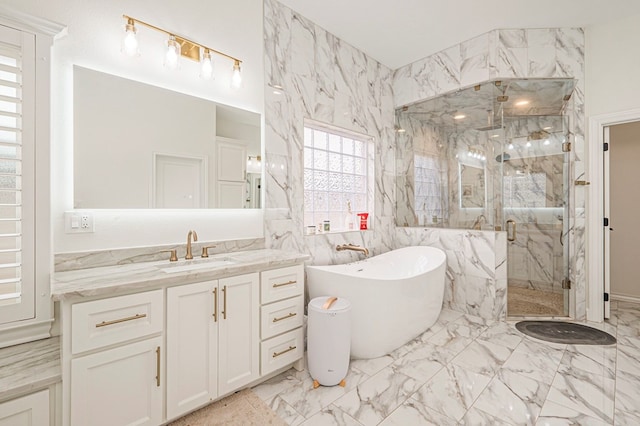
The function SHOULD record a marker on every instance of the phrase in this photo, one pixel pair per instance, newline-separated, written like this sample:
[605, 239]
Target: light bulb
[173, 53]
[206, 71]
[547, 142]
[236, 78]
[130, 41]
[528, 144]
[510, 146]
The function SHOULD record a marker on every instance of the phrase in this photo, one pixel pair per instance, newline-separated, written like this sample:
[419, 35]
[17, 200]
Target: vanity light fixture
[257, 158]
[179, 46]
[130, 42]
[206, 64]
[172, 54]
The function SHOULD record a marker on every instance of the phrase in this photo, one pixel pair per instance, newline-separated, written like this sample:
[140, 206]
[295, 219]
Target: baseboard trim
[623, 298]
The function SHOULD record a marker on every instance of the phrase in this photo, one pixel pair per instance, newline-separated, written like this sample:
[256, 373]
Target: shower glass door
[535, 181]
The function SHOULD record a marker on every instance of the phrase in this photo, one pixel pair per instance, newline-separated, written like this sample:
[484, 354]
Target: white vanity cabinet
[212, 340]
[282, 310]
[149, 357]
[116, 368]
[29, 410]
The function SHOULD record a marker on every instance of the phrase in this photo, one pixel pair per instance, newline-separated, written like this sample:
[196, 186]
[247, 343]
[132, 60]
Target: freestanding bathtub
[395, 296]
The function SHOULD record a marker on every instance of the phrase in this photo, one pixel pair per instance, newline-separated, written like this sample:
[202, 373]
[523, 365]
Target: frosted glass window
[525, 190]
[428, 189]
[338, 172]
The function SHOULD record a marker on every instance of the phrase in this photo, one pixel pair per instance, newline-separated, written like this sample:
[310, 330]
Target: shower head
[501, 158]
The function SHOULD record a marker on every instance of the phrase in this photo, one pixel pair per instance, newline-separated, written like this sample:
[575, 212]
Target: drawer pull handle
[277, 354]
[134, 317]
[158, 366]
[283, 284]
[224, 303]
[291, 314]
[215, 305]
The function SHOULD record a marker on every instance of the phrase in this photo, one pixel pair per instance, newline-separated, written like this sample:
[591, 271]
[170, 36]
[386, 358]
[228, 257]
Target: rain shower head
[501, 158]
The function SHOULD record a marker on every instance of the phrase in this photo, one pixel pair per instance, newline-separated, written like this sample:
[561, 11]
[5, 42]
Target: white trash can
[328, 340]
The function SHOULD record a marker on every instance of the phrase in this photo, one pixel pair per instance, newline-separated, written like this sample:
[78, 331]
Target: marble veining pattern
[29, 367]
[143, 276]
[470, 371]
[312, 74]
[510, 53]
[126, 256]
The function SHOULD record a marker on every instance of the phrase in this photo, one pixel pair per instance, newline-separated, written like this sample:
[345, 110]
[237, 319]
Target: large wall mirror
[141, 146]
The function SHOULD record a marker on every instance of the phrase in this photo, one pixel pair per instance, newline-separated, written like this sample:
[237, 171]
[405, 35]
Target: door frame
[597, 256]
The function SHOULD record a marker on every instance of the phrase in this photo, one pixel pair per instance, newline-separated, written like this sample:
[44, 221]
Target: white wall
[612, 66]
[95, 29]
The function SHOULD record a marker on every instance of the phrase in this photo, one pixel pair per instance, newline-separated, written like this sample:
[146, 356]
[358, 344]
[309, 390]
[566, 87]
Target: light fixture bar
[188, 48]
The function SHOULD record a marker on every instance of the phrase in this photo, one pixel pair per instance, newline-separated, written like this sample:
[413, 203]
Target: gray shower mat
[565, 332]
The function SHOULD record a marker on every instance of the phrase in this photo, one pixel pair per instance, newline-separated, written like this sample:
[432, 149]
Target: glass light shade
[236, 77]
[206, 66]
[173, 53]
[130, 41]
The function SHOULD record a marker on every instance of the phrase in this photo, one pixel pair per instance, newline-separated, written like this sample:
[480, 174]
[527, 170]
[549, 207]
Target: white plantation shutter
[17, 283]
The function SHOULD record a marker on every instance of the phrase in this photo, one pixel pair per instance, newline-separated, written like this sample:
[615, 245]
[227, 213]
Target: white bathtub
[395, 296]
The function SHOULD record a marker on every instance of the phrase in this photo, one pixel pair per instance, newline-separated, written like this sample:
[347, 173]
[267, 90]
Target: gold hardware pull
[291, 314]
[513, 227]
[215, 305]
[330, 301]
[135, 317]
[174, 254]
[158, 366]
[283, 284]
[583, 182]
[205, 251]
[277, 354]
[224, 302]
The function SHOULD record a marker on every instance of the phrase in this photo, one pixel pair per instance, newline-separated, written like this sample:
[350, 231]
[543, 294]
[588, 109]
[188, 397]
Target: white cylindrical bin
[328, 340]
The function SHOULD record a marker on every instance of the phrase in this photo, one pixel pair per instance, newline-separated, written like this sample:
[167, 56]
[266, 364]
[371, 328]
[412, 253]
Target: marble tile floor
[467, 371]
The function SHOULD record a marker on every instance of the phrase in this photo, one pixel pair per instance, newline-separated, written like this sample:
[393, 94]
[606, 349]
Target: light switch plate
[78, 222]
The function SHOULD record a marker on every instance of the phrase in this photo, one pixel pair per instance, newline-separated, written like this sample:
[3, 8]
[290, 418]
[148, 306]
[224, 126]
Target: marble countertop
[29, 367]
[141, 276]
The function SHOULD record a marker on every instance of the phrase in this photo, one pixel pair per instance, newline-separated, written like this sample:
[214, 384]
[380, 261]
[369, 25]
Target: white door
[121, 386]
[30, 410]
[231, 166]
[231, 195]
[238, 339]
[179, 182]
[192, 337]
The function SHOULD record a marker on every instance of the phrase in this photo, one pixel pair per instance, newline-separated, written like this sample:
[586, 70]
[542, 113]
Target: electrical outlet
[78, 222]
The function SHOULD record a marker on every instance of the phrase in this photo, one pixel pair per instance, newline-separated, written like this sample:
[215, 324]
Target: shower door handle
[511, 230]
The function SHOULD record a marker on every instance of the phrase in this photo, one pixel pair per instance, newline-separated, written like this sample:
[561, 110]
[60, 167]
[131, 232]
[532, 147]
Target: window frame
[361, 201]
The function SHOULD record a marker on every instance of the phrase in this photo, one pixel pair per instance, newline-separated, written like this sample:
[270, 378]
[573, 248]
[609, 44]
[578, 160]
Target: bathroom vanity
[149, 342]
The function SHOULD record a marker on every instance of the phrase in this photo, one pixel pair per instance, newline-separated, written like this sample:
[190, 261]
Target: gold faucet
[353, 247]
[189, 255]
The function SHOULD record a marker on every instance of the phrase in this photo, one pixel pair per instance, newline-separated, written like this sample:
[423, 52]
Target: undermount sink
[195, 265]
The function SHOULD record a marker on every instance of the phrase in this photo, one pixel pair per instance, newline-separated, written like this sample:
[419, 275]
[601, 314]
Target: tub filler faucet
[353, 247]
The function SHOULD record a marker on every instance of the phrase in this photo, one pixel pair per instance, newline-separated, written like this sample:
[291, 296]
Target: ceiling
[399, 32]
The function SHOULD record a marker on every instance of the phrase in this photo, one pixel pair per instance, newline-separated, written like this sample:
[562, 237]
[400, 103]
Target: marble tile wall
[514, 53]
[311, 74]
[476, 277]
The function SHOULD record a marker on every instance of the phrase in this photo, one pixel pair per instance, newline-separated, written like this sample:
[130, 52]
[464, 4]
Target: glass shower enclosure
[495, 156]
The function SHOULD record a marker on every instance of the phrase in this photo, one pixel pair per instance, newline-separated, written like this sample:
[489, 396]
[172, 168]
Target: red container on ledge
[363, 220]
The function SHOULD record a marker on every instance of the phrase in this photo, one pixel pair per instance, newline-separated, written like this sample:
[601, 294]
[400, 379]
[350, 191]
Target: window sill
[341, 231]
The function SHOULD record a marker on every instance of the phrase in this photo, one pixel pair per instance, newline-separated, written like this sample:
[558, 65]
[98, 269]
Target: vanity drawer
[282, 316]
[278, 284]
[280, 351]
[107, 321]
